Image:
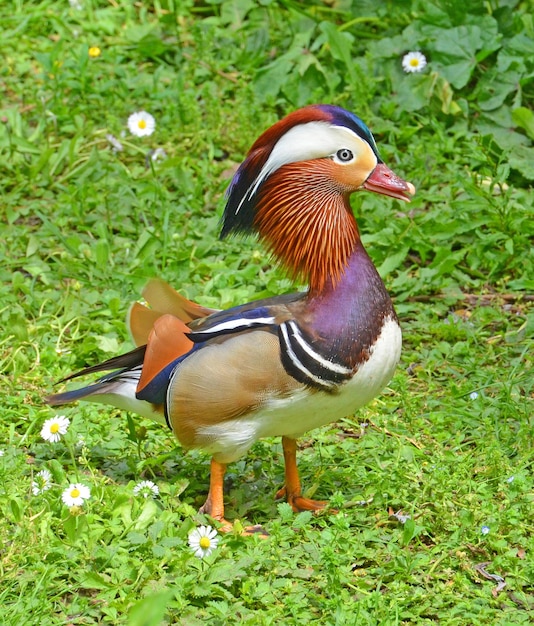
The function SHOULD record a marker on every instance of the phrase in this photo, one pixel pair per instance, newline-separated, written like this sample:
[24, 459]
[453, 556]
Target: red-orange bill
[385, 181]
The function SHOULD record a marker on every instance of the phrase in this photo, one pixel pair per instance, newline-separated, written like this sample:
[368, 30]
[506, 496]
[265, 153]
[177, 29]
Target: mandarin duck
[283, 365]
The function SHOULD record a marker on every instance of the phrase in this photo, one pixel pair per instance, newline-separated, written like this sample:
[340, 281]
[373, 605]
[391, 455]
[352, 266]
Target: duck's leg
[214, 505]
[291, 490]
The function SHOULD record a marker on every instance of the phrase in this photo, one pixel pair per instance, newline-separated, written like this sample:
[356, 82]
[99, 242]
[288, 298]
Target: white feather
[230, 325]
[324, 363]
[313, 140]
[121, 394]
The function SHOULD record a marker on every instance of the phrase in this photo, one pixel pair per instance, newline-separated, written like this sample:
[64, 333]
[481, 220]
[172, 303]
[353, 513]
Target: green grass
[83, 228]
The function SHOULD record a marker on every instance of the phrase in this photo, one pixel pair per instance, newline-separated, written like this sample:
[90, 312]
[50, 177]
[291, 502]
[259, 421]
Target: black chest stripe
[304, 363]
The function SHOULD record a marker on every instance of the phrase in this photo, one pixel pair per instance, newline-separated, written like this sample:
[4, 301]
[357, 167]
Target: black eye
[344, 155]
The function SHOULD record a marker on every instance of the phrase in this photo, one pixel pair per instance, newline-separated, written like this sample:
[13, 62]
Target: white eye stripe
[313, 140]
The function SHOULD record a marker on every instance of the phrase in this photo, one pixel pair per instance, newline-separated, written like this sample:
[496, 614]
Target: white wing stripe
[234, 325]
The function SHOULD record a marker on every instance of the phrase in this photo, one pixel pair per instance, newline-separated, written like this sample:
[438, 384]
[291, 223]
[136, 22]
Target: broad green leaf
[102, 253]
[524, 118]
[341, 46]
[494, 88]
[459, 73]
[413, 92]
[136, 538]
[107, 344]
[521, 158]
[408, 531]
[148, 513]
[16, 509]
[234, 12]
[70, 526]
[94, 580]
[151, 610]
[456, 50]
[392, 262]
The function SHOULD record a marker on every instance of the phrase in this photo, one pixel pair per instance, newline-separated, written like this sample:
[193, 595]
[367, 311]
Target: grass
[445, 452]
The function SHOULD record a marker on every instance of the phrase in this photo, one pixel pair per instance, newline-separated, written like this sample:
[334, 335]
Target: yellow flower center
[75, 493]
[414, 62]
[54, 428]
[94, 51]
[142, 124]
[205, 543]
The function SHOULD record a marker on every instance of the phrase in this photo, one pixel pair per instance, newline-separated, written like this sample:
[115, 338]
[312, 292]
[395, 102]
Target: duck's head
[293, 189]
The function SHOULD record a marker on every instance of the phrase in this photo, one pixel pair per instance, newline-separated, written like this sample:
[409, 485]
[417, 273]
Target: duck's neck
[360, 285]
[348, 316]
[308, 225]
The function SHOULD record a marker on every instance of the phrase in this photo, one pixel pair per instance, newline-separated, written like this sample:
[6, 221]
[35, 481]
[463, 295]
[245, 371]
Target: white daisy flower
[473, 395]
[42, 482]
[141, 124]
[159, 153]
[114, 142]
[146, 488]
[75, 494]
[54, 428]
[401, 517]
[413, 62]
[203, 540]
[2, 453]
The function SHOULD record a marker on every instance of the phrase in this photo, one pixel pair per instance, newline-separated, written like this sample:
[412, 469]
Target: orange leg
[292, 491]
[214, 505]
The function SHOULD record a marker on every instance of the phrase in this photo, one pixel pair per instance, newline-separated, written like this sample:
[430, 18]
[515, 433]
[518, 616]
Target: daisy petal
[141, 124]
[54, 428]
[413, 62]
[42, 482]
[75, 494]
[203, 540]
[146, 488]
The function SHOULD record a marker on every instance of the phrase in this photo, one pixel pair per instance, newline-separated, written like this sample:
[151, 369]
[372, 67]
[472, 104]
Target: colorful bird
[284, 365]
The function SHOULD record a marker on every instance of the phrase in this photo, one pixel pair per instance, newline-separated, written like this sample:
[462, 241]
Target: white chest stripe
[299, 365]
[333, 367]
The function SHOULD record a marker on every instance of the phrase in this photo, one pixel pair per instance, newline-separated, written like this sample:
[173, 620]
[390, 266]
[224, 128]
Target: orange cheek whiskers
[310, 229]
